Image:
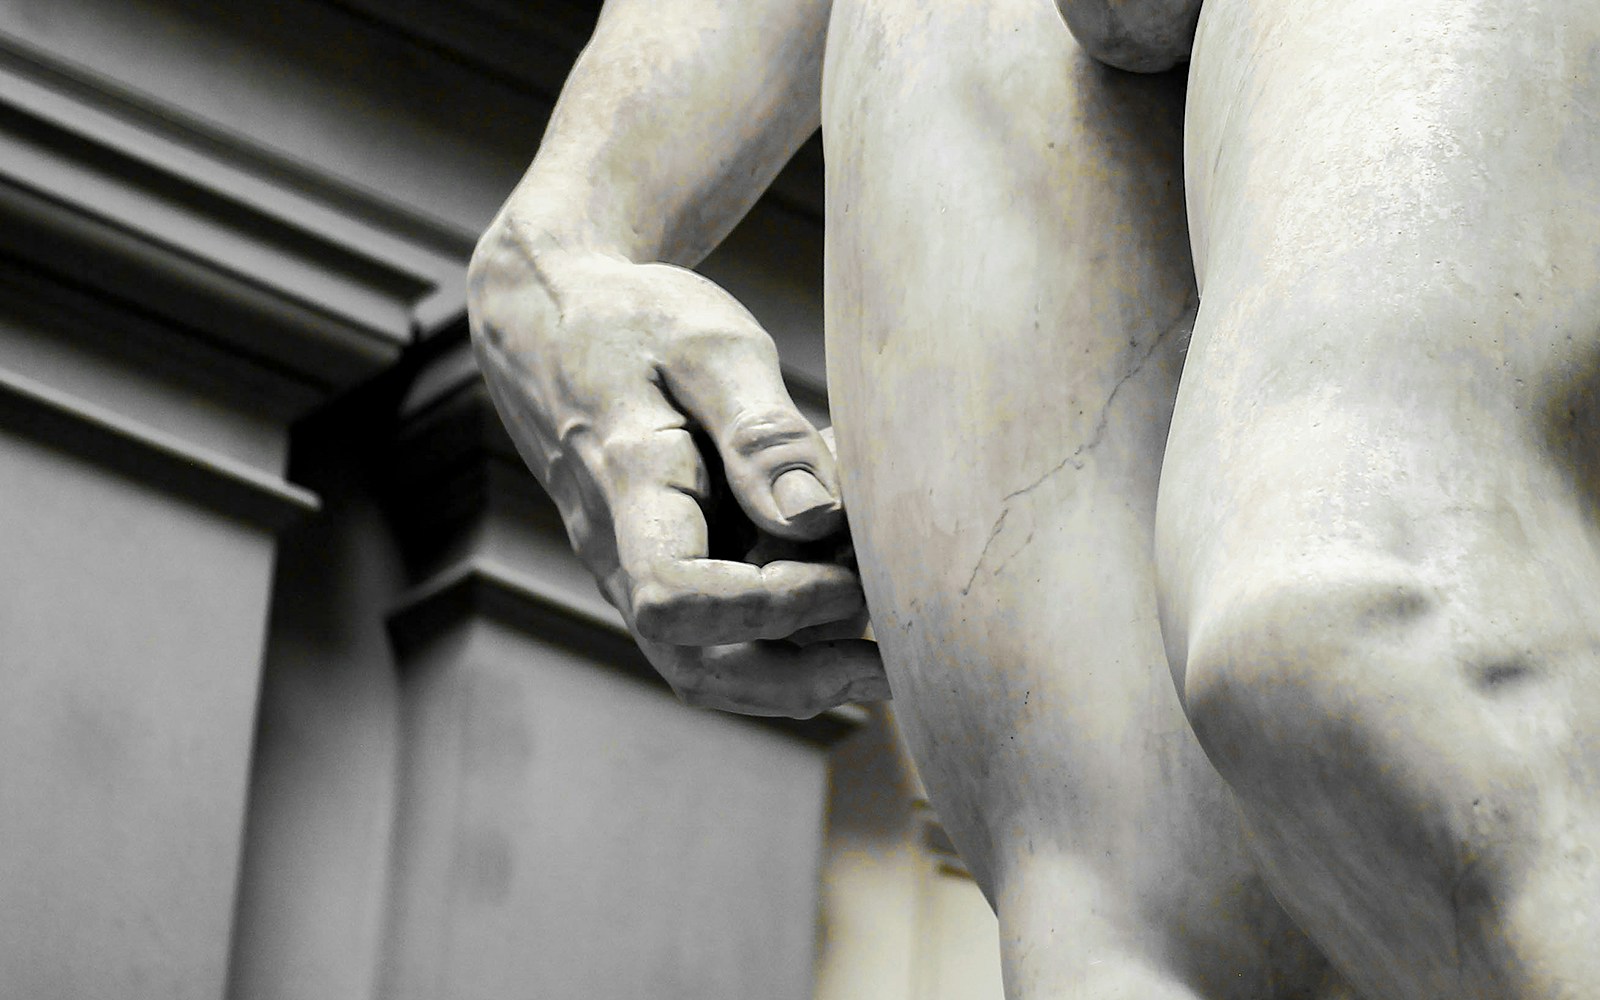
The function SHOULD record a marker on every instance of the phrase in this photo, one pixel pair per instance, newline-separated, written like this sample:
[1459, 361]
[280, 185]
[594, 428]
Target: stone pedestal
[130, 640]
[137, 527]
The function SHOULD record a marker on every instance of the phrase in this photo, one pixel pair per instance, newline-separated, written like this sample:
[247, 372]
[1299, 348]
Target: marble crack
[1002, 563]
[993, 533]
[1076, 460]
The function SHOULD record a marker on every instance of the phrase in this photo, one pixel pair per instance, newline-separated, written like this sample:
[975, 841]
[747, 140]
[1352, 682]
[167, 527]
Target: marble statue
[1219, 444]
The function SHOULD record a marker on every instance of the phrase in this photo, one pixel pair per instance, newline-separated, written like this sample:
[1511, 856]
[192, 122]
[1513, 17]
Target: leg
[1377, 531]
[1008, 281]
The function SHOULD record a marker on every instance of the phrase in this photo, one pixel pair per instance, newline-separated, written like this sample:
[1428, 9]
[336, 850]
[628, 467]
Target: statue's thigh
[1377, 533]
[1008, 294]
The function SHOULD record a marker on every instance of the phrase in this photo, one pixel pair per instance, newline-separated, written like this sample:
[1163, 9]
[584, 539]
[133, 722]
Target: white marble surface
[1340, 320]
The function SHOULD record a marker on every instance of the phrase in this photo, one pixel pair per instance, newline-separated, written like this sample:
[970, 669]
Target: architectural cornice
[149, 456]
[194, 221]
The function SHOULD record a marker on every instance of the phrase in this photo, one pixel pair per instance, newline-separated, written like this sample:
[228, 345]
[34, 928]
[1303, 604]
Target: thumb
[777, 465]
[781, 471]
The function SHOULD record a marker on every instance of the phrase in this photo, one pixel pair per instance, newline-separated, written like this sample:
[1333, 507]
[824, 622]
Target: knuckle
[682, 617]
[665, 457]
[492, 255]
[756, 431]
[626, 459]
[624, 452]
[656, 610]
[731, 331]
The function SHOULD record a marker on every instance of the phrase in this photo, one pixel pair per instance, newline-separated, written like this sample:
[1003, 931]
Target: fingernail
[801, 497]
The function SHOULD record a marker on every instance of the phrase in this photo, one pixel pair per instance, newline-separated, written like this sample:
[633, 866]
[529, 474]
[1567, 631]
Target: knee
[1142, 36]
[1365, 675]
[1307, 664]
[1394, 760]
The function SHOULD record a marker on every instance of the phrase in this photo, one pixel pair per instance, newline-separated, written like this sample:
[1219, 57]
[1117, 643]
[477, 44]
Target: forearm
[675, 118]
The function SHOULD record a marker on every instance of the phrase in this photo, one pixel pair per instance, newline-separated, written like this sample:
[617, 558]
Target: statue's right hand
[601, 369]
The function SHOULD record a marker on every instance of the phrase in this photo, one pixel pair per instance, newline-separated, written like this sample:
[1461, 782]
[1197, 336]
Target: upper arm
[1145, 36]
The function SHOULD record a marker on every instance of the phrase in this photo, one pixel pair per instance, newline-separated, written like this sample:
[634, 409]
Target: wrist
[520, 250]
[553, 212]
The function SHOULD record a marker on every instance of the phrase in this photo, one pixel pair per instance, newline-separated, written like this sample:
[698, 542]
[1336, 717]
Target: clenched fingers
[704, 602]
[773, 678]
[677, 594]
[778, 466]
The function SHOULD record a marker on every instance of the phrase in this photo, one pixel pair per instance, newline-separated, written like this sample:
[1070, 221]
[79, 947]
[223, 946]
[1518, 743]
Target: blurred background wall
[304, 695]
